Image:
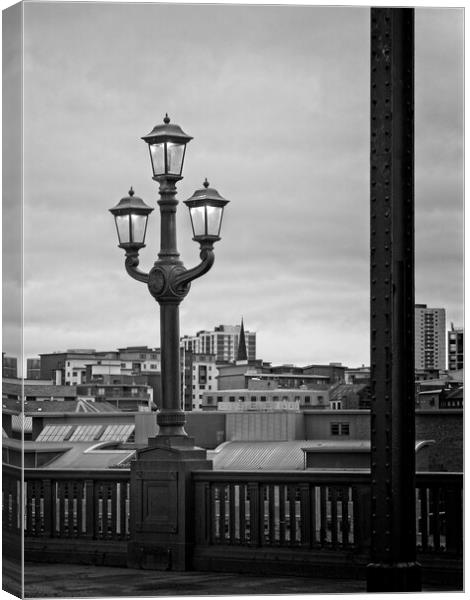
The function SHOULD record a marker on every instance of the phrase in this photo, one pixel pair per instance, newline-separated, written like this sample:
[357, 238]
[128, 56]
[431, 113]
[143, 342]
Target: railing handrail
[120, 474]
[333, 476]
[320, 476]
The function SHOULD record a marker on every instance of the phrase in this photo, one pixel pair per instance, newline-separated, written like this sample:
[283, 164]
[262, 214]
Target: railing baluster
[114, 515]
[253, 491]
[344, 491]
[282, 514]
[71, 493]
[231, 512]
[236, 513]
[79, 507]
[61, 514]
[29, 509]
[272, 515]
[243, 521]
[314, 507]
[323, 516]
[292, 515]
[38, 505]
[434, 492]
[222, 491]
[47, 508]
[214, 521]
[263, 514]
[90, 508]
[423, 502]
[305, 515]
[334, 515]
[122, 509]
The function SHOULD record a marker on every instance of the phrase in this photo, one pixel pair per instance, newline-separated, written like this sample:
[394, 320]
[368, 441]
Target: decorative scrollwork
[164, 284]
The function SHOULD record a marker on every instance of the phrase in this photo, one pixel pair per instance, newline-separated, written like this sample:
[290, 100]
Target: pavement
[46, 580]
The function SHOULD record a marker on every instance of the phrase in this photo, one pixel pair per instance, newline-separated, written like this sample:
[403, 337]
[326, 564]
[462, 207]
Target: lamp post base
[394, 577]
[162, 503]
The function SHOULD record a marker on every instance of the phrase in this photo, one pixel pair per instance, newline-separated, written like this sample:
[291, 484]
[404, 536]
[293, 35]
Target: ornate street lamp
[169, 281]
[131, 214]
[206, 208]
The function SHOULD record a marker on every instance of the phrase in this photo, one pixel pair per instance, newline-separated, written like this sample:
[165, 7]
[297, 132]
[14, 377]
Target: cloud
[277, 99]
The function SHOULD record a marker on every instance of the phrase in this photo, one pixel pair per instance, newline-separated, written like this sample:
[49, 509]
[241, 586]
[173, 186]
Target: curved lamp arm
[132, 261]
[207, 260]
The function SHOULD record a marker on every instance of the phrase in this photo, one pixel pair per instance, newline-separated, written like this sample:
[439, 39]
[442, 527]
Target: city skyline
[280, 119]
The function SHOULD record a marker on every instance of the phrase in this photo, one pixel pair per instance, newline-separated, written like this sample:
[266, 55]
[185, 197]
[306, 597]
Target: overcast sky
[277, 99]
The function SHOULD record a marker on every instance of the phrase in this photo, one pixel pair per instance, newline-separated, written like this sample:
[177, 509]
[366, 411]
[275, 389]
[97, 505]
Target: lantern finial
[166, 119]
[206, 183]
[131, 192]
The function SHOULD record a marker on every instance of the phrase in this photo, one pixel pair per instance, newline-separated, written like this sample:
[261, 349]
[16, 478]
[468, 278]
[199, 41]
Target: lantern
[167, 145]
[131, 214]
[206, 207]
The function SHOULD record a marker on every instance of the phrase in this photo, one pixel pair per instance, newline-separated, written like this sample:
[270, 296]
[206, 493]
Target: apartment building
[223, 342]
[200, 376]
[430, 340]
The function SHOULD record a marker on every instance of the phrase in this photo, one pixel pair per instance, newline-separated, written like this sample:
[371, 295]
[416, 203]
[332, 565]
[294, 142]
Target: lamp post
[169, 281]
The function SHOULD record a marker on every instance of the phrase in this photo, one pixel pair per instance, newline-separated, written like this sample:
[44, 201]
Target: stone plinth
[162, 511]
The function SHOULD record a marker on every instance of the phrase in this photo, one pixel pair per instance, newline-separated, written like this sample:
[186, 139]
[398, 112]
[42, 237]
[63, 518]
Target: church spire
[241, 354]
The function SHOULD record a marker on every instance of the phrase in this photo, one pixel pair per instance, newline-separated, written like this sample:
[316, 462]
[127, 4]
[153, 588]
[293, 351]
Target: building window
[231, 399]
[242, 398]
[339, 428]
[253, 398]
[263, 398]
[307, 399]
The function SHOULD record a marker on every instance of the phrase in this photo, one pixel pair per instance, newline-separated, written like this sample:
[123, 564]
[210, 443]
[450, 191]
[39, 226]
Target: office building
[430, 341]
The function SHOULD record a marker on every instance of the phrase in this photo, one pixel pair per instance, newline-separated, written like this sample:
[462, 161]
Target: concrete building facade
[222, 342]
[430, 341]
[200, 376]
[455, 346]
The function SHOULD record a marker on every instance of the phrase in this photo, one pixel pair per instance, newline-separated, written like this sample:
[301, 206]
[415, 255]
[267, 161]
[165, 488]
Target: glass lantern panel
[214, 219]
[157, 153]
[138, 226]
[198, 219]
[175, 155]
[122, 226]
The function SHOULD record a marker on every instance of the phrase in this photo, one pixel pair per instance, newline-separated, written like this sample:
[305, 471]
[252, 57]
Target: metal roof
[280, 456]
[76, 455]
[41, 390]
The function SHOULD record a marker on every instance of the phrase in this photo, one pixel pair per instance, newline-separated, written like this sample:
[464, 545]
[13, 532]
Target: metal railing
[67, 504]
[294, 510]
[317, 510]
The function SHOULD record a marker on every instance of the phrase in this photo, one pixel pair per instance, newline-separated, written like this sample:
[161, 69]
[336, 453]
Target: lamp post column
[171, 418]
